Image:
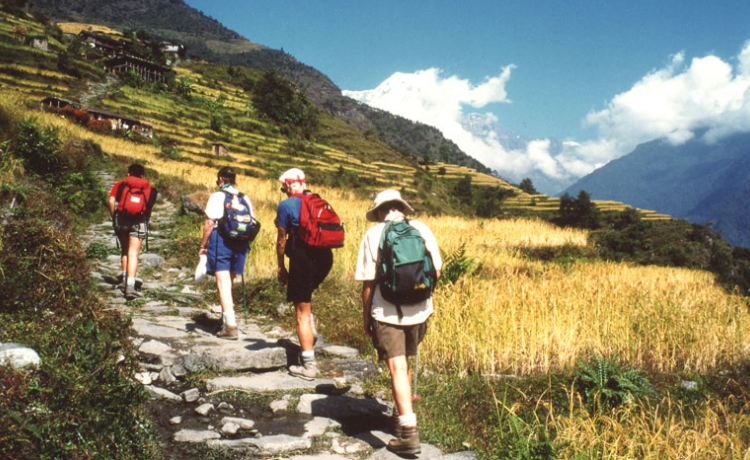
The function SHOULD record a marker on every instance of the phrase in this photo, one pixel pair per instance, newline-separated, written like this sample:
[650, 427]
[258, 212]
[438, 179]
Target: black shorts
[391, 340]
[308, 267]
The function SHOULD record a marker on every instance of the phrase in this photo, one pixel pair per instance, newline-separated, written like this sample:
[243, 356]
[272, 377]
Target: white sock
[230, 319]
[124, 274]
[308, 356]
[408, 420]
[131, 282]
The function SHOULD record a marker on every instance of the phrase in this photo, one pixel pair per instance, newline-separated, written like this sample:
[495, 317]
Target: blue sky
[590, 73]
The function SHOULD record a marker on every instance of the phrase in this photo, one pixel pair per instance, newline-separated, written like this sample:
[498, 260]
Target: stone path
[236, 396]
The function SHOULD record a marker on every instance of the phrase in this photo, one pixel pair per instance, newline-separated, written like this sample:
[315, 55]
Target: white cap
[384, 197]
[292, 175]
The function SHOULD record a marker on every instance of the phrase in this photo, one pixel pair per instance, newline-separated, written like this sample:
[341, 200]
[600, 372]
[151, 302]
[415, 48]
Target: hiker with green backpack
[131, 201]
[398, 263]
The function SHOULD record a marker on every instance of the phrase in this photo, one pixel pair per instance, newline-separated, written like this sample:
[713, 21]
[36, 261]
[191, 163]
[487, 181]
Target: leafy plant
[97, 251]
[455, 264]
[605, 384]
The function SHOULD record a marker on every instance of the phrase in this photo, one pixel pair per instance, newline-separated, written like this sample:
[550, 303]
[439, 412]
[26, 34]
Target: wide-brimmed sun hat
[387, 196]
[292, 175]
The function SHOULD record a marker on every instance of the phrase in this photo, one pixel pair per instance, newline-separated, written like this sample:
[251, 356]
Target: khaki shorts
[391, 340]
[135, 230]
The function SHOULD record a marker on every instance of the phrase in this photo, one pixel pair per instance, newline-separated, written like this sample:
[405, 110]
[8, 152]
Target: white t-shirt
[215, 205]
[366, 270]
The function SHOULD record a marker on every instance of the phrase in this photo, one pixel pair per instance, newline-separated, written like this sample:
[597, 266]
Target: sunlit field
[515, 315]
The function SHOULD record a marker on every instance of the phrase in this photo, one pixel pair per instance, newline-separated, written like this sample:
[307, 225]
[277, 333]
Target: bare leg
[304, 328]
[224, 285]
[134, 249]
[399, 369]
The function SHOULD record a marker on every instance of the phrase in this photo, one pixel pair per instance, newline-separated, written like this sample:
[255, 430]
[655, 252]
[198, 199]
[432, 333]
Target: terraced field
[257, 148]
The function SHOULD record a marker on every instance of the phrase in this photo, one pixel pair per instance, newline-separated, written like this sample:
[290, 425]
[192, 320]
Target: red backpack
[319, 225]
[135, 198]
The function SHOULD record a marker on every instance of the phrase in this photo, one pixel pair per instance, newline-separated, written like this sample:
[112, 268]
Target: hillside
[207, 39]
[698, 181]
[339, 155]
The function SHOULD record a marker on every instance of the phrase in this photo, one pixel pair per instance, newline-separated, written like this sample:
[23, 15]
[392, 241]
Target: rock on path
[237, 394]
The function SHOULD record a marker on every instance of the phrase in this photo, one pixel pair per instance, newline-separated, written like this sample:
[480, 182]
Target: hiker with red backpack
[308, 229]
[131, 201]
[398, 263]
[228, 230]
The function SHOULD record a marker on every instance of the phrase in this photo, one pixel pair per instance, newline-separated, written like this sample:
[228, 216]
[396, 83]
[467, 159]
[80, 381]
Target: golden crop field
[515, 315]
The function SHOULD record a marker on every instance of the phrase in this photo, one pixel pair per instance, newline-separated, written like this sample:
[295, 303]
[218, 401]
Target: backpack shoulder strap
[120, 189]
[227, 200]
[152, 197]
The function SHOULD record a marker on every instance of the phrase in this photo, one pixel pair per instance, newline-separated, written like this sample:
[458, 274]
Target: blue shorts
[225, 256]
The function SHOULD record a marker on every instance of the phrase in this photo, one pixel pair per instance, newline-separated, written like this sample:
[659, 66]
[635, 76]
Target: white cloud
[672, 102]
[675, 102]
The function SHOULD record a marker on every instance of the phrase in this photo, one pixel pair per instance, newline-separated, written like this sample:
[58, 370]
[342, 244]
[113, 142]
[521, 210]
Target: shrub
[605, 384]
[79, 402]
[97, 251]
[39, 147]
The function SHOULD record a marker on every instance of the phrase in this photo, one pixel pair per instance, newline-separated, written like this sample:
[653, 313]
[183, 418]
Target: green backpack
[405, 271]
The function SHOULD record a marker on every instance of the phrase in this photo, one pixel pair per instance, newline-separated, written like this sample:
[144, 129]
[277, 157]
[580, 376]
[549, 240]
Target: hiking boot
[131, 293]
[397, 429]
[407, 443]
[229, 332]
[307, 371]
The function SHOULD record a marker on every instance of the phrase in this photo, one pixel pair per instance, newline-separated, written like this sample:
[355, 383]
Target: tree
[184, 88]
[463, 190]
[527, 187]
[214, 111]
[277, 99]
[579, 212]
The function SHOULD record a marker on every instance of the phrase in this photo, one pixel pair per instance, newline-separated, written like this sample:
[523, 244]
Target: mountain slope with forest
[699, 181]
[207, 39]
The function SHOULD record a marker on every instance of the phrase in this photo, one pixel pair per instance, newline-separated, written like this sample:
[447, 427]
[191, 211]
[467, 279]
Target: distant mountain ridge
[698, 181]
[208, 39]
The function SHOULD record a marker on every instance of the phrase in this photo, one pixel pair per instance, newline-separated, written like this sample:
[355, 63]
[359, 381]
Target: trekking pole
[244, 296]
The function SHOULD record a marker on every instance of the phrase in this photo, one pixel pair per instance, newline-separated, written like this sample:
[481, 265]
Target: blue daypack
[238, 224]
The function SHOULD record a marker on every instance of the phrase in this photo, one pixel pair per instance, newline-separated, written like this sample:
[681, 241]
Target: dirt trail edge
[235, 396]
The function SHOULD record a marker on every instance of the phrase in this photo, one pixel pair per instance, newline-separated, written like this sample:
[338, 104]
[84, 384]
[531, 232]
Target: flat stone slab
[196, 435]
[336, 406]
[267, 381]
[265, 446]
[340, 351]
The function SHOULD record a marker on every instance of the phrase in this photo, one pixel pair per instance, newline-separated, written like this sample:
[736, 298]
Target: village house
[220, 150]
[123, 122]
[55, 104]
[174, 52]
[116, 121]
[147, 71]
[107, 46]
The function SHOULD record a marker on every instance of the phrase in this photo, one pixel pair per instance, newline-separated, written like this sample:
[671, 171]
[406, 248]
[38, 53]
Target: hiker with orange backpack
[307, 228]
[131, 201]
[398, 263]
